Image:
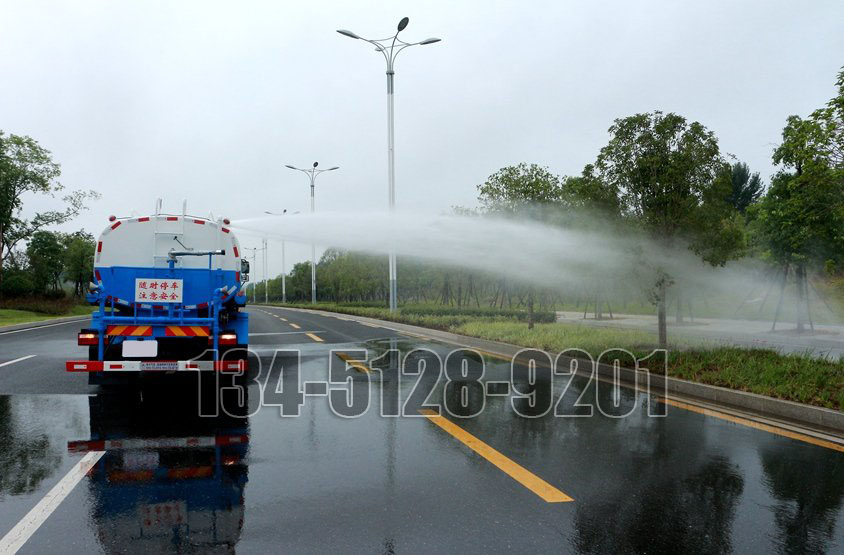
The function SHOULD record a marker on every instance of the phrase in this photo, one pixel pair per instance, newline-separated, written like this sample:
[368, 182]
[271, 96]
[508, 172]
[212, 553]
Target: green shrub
[16, 285]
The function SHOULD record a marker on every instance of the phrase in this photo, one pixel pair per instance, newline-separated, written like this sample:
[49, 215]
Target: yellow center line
[757, 425]
[360, 367]
[494, 355]
[519, 473]
[294, 326]
[314, 337]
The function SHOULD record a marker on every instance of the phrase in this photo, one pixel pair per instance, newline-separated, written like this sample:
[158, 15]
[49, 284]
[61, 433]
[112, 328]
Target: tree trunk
[782, 293]
[599, 315]
[679, 307]
[661, 323]
[808, 302]
[530, 309]
[800, 278]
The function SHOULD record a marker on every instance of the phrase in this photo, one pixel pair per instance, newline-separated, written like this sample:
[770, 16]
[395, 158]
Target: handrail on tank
[174, 253]
[111, 317]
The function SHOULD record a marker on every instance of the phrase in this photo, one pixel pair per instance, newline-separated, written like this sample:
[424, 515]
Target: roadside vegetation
[661, 181]
[43, 273]
[664, 179]
[794, 377]
[10, 317]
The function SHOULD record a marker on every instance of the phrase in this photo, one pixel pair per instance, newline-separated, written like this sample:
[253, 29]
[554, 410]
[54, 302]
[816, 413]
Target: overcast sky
[206, 101]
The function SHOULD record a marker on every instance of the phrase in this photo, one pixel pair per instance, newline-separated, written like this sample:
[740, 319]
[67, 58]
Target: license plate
[140, 460]
[164, 365]
[148, 348]
[162, 517]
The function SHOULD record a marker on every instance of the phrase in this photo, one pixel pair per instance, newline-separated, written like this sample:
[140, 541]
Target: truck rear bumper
[155, 365]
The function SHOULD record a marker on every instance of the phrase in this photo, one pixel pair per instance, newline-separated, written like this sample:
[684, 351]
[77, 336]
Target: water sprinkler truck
[169, 298]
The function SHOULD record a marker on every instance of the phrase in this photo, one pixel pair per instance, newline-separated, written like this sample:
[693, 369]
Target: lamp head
[316, 164]
[430, 41]
[403, 23]
[346, 33]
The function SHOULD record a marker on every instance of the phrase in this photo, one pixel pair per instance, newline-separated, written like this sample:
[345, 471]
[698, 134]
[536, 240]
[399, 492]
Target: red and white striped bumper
[155, 365]
[156, 443]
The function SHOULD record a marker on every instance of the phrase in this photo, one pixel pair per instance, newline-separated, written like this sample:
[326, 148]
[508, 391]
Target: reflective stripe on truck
[129, 330]
[155, 365]
[187, 331]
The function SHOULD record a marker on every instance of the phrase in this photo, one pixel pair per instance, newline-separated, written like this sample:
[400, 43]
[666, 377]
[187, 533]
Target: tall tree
[671, 181]
[28, 168]
[516, 188]
[829, 138]
[801, 219]
[46, 253]
[79, 259]
[747, 187]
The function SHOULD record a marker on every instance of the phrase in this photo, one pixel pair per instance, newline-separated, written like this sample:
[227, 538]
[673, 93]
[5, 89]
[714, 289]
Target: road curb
[823, 420]
[43, 323]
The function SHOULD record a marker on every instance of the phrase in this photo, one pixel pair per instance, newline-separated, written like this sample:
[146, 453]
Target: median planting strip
[782, 413]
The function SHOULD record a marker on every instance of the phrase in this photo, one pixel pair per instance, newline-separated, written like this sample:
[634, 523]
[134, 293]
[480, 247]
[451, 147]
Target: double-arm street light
[390, 48]
[283, 266]
[312, 174]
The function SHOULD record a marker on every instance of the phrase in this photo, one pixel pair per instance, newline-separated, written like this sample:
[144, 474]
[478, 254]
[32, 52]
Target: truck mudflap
[239, 365]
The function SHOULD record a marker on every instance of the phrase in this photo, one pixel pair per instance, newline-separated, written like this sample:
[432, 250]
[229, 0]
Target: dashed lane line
[262, 333]
[316, 338]
[357, 365]
[513, 469]
[7, 363]
[295, 326]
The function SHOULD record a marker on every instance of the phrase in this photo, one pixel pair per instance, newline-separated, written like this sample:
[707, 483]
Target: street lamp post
[312, 175]
[283, 266]
[264, 267]
[390, 48]
[266, 273]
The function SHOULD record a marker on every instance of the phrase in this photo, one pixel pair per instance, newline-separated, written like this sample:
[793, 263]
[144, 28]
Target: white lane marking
[7, 363]
[44, 326]
[24, 529]
[283, 332]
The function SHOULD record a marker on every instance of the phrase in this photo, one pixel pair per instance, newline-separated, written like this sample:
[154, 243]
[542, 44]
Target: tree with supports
[801, 218]
[671, 181]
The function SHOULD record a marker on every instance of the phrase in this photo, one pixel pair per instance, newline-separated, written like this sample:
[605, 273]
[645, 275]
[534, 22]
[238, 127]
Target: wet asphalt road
[252, 481]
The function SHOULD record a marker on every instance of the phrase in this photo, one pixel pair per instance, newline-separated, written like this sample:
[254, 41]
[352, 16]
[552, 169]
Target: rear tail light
[228, 338]
[87, 338]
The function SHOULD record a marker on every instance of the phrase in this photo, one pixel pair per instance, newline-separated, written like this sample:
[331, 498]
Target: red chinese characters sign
[153, 291]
